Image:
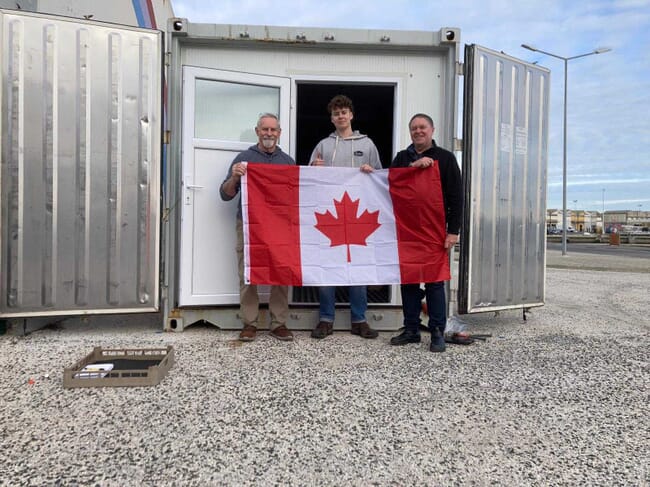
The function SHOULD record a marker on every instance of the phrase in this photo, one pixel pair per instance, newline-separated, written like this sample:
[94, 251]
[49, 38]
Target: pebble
[561, 399]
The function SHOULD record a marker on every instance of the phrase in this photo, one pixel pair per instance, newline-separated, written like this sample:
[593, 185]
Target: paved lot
[600, 257]
[561, 399]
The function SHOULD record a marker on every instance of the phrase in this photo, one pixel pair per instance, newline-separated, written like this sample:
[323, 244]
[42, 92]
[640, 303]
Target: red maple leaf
[346, 228]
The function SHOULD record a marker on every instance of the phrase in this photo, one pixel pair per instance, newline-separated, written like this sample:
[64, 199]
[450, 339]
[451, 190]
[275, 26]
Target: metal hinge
[458, 145]
[168, 59]
[167, 136]
[460, 69]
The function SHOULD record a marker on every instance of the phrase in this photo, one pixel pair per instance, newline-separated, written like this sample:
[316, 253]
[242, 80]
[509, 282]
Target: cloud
[609, 94]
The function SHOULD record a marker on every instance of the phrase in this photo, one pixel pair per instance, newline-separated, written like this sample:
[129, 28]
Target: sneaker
[407, 336]
[363, 330]
[323, 329]
[282, 333]
[248, 334]
[437, 341]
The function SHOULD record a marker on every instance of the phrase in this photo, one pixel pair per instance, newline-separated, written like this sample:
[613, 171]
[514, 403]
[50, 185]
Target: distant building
[578, 220]
[592, 221]
[627, 220]
[588, 221]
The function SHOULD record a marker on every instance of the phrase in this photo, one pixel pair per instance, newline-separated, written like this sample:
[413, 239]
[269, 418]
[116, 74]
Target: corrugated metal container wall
[504, 164]
[81, 105]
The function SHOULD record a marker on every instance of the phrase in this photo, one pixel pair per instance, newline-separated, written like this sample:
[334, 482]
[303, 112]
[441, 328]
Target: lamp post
[566, 60]
[575, 214]
[603, 229]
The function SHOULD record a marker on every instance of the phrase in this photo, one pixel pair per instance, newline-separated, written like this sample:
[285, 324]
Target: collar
[411, 148]
[263, 151]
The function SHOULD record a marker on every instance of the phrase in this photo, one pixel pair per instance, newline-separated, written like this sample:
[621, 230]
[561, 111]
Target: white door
[220, 110]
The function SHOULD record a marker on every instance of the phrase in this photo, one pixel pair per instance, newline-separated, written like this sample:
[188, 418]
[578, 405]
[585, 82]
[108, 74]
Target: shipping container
[115, 141]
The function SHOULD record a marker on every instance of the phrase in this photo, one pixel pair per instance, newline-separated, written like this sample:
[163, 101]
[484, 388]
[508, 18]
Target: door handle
[188, 196]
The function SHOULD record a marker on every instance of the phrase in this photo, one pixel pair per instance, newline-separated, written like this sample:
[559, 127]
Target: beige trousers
[249, 299]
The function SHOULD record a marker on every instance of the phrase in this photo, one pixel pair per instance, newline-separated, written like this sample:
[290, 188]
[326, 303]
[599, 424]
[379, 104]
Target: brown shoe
[282, 333]
[322, 329]
[248, 334]
[363, 330]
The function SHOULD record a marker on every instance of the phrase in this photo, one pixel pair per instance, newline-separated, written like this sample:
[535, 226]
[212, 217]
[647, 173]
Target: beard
[268, 143]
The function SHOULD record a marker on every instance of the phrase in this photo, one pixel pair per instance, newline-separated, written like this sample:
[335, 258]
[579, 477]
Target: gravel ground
[561, 399]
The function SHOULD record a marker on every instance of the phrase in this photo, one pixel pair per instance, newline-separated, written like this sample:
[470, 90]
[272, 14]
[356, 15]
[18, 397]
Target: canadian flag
[328, 226]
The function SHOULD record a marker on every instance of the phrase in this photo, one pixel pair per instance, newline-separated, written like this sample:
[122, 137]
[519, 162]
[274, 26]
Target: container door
[80, 170]
[220, 110]
[505, 134]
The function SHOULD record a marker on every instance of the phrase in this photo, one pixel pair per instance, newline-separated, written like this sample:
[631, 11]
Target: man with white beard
[265, 151]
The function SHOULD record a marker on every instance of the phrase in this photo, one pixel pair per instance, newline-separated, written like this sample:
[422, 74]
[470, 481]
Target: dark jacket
[450, 180]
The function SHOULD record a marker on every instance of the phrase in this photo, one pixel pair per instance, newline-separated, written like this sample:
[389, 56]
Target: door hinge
[458, 145]
[168, 59]
[460, 69]
[167, 136]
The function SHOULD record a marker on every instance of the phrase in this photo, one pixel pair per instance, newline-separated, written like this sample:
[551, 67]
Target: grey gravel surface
[561, 399]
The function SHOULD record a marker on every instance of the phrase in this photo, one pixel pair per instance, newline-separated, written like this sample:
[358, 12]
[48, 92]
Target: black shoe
[407, 336]
[437, 341]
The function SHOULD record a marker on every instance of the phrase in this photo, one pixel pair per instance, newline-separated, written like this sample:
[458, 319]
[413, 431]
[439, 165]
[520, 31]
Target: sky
[608, 109]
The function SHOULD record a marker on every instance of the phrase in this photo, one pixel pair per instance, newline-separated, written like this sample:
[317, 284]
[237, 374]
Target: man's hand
[450, 240]
[367, 168]
[318, 161]
[238, 170]
[231, 186]
[422, 163]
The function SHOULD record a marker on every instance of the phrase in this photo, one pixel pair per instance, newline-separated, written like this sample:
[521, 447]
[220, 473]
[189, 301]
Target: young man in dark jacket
[424, 153]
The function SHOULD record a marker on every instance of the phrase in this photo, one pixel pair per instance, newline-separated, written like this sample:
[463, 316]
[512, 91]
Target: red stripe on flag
[420, 223]
[274, 224]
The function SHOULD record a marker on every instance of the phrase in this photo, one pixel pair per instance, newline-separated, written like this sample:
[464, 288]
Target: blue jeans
[358, 303]
[412, 295]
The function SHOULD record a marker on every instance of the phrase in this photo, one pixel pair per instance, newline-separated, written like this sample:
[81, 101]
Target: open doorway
[374, 107]
[374, 116]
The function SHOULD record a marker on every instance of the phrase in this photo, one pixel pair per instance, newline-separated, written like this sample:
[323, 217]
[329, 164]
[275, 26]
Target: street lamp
[603, 229]
[575, 214]
[566, 60]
